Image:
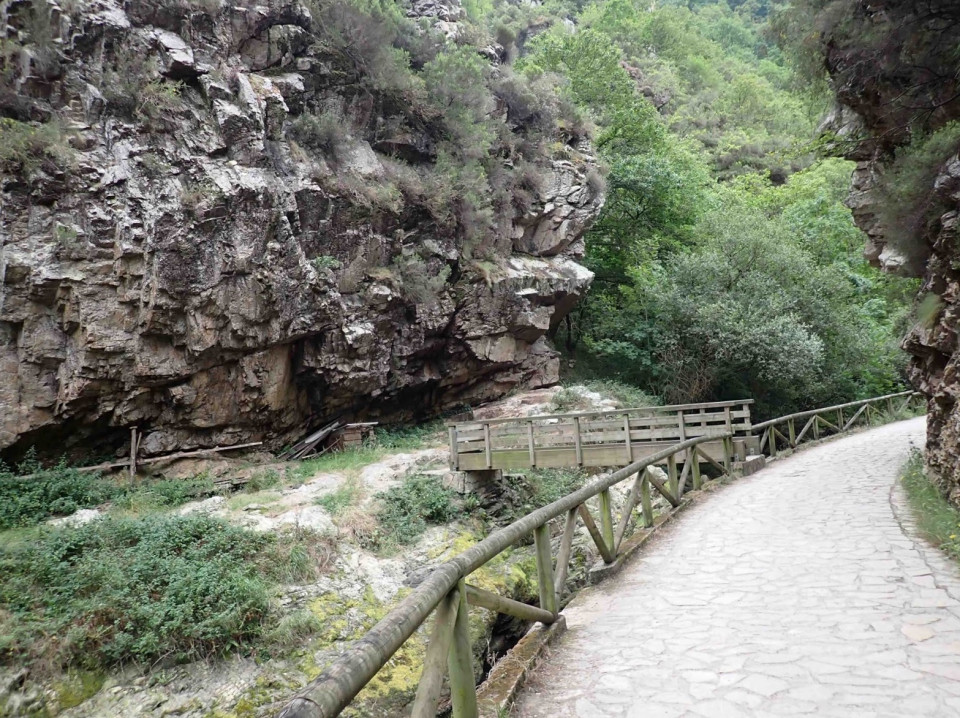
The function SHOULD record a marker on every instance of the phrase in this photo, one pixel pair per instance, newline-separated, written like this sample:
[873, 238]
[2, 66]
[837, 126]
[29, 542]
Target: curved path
[800, 590]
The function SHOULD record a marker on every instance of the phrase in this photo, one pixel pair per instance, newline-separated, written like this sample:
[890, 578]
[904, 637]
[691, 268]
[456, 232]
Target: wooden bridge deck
[596, 439]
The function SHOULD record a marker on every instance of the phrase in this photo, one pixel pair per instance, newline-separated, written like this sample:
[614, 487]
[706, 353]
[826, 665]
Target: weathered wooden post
[487, 446]
[645, 503]
[672, 481]
[792, 431]
[626, 434]
[548, 592]
[454, 453]
[576, 439]
[606, 517]
[563, 555]
[772, 441]
[133, 452]
[436, 658]
[816, 426]
[695, 468]
[531, 447]
[463, 686]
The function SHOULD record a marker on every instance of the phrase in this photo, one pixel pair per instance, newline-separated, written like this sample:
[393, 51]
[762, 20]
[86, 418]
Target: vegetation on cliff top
[727, 265]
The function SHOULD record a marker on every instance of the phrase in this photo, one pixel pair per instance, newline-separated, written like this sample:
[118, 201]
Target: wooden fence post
[792, 431]
[563, 555]
[436, 658]
[487, 447]
[645, 503]
[576, 438]
[531, 446]
[626, 432]
[606, 518]
[454, 454]
[463, 685]
[672, 481]
[694, 467]
[548, 592]
[133, 452]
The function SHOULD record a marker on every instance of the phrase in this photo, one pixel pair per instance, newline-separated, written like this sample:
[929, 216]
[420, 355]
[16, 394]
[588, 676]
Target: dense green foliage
[727, 265]
[121, 589]
[33, 493]
[406, 511]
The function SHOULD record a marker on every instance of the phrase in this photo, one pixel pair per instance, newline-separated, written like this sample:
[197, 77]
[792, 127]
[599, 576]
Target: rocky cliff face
[896, 79]
[221, 227]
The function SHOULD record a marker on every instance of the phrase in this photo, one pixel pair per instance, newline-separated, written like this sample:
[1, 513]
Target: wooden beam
[695, 468]
[627, 512]
[646, 505]
[133, 452]
[672, 475]
[463, 684]
[435, 660]
[852, 419]
[501, 604]
[563, 554]
[454, 451]
[578, 446]
[487, 447]
[658, 485]
[626, 432]
[531, 446]
[682, 483]
[602, 547]
[606, 518]
[548, 594]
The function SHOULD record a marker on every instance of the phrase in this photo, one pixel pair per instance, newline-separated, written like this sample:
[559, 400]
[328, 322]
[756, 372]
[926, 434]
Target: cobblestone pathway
[800, 590]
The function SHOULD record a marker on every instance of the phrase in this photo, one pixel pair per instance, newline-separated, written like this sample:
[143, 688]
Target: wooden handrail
[806, 414]
[670, 408]
[332, 690]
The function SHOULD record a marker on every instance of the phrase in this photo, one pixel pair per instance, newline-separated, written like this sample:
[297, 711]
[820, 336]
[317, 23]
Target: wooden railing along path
[828, 420]
[595, 438]
[447, 595]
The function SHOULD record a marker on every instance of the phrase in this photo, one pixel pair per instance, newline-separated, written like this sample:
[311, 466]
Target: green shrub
[23, 146]
[518, 495]
[164, 493]
[341, 498]
[420, 282]
[326, 131]
[58, 491]
[906, 201]
[407, 510]
[119, 589]
[936, 518]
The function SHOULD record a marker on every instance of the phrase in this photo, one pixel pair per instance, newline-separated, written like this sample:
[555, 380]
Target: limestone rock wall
[195, 273]
[896, 79]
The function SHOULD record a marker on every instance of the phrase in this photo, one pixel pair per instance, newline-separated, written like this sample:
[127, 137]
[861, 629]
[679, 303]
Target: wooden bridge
[601, 438]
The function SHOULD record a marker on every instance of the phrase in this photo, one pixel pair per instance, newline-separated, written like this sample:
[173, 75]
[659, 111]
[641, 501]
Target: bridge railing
[828, 420]
[446, 593]
[592, 438]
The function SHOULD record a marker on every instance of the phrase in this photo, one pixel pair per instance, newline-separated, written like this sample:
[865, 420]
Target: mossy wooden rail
[828, 420]
[596, 438]
[446, 593]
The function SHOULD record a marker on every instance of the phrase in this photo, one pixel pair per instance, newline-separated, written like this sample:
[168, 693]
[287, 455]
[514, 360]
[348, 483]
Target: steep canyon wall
[894, 69]
[174, 259]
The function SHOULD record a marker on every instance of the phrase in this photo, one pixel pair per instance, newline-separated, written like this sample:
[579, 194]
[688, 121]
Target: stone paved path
[800, 590]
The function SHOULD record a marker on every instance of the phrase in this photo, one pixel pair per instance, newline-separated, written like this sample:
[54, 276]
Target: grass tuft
[937, 519]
